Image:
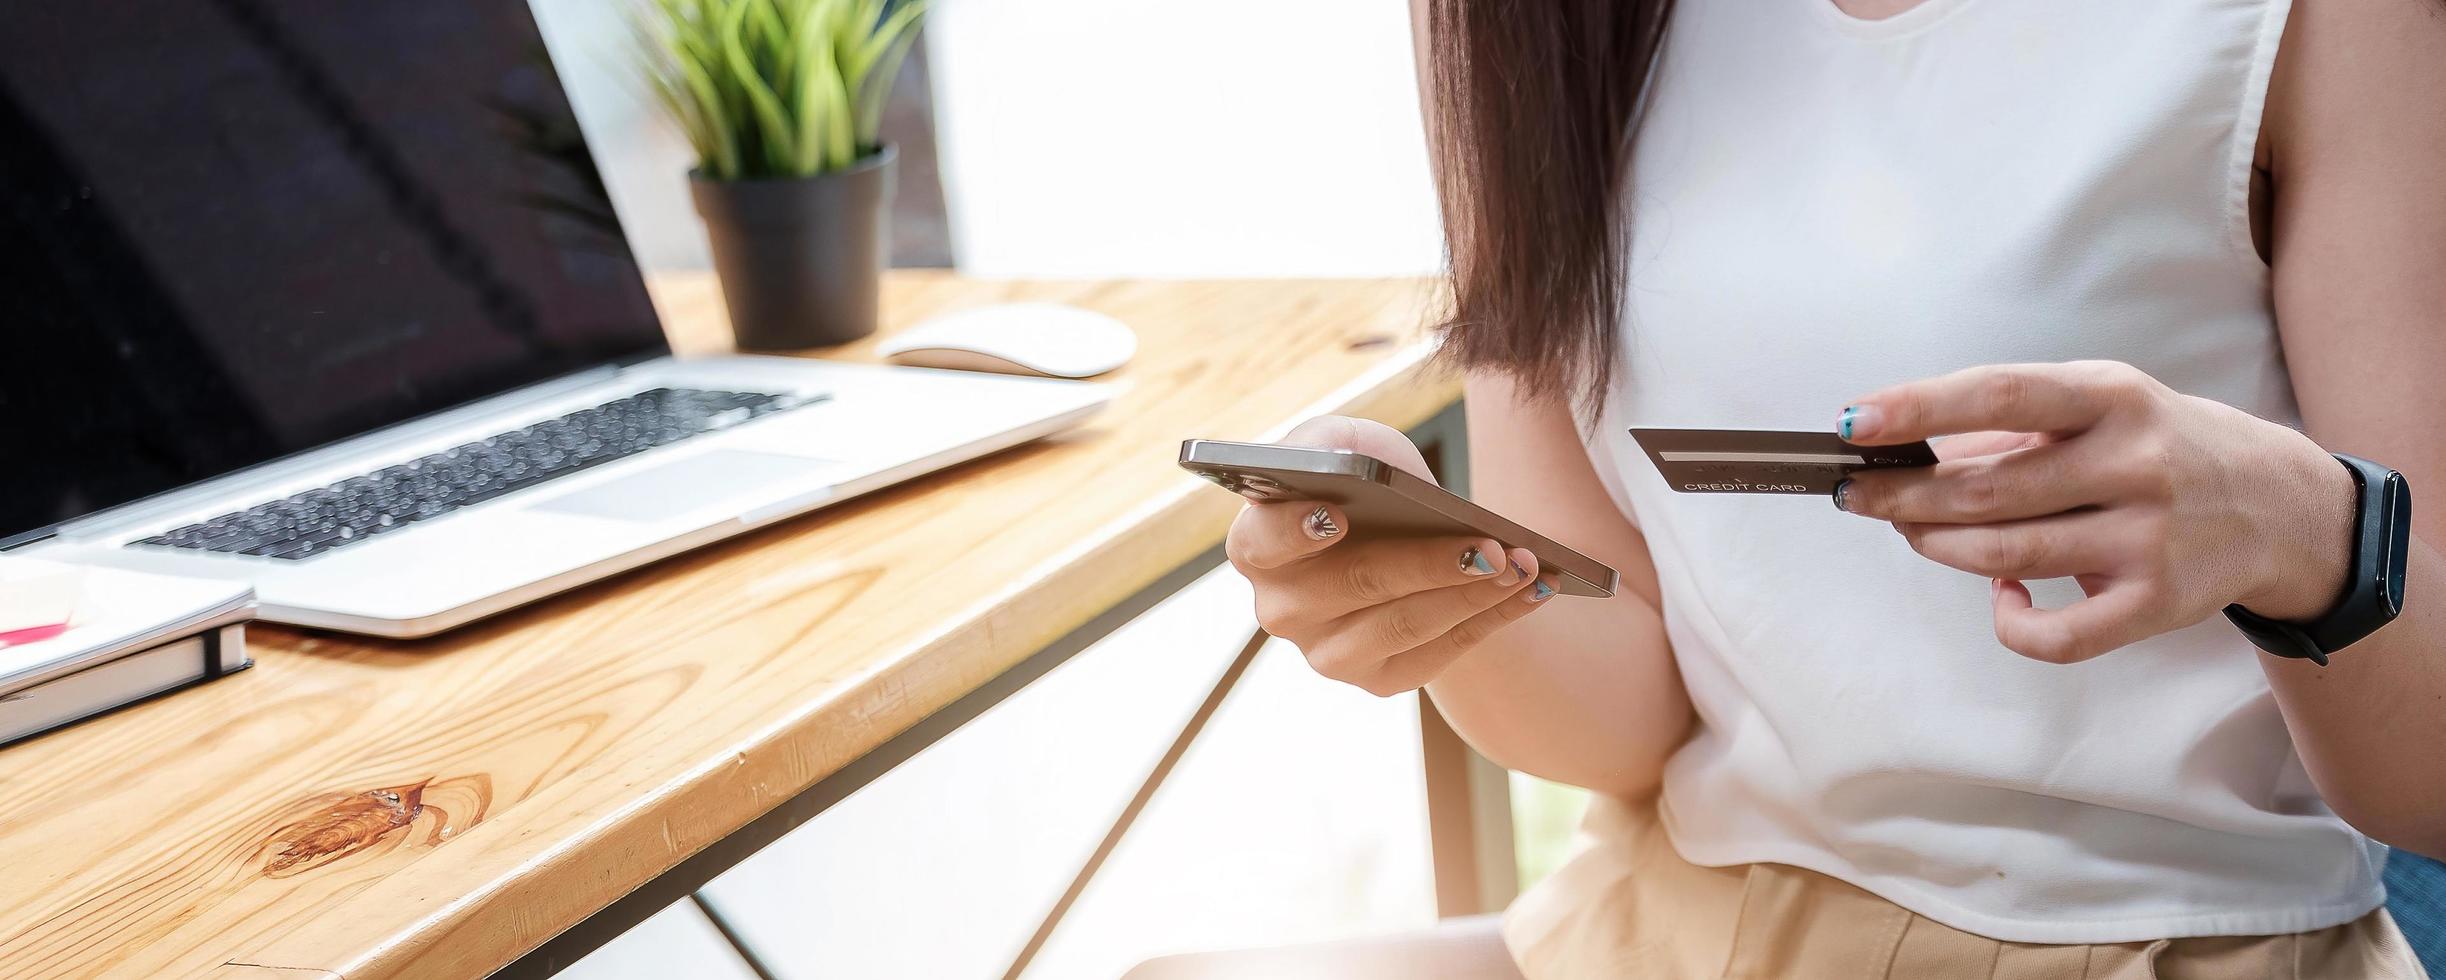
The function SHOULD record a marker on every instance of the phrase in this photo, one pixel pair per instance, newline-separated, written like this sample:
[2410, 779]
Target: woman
[2139, 268]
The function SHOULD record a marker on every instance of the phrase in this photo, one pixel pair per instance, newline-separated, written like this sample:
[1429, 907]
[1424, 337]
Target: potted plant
[781, 100]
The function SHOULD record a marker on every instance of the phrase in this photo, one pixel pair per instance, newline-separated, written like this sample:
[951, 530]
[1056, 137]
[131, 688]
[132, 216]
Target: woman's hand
[2162, 506]
[1388, 615]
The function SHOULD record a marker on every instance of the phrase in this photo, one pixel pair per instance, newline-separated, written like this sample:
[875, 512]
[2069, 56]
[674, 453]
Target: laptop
[331, 299]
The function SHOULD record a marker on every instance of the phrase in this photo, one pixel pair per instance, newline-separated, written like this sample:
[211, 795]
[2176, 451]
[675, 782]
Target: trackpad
[734, 477]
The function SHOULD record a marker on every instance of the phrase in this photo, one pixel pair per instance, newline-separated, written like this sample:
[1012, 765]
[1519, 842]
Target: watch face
[2398, 518]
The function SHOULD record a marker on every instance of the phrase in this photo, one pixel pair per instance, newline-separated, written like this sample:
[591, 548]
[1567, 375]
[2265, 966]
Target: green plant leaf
[770, 43]
[871, 49]
[691, 32]
[724, 163]
[774, 87]
[772, 126]
[874, 82]
[646, 45]
[827, 92]
[815, 99]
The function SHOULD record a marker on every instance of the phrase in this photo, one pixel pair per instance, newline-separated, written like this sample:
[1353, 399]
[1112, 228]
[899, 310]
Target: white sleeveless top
[1823, 206]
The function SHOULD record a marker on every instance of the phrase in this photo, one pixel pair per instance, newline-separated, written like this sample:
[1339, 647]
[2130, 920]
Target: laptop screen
[231, 230]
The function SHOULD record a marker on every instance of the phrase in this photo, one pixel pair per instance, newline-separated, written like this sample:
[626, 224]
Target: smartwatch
[2374, 589]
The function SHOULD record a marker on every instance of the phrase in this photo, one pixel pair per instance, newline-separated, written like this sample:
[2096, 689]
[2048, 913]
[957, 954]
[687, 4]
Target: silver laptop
[334, 302]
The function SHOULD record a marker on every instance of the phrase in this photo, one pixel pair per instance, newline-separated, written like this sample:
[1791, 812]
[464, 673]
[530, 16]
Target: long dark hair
[1532, 108]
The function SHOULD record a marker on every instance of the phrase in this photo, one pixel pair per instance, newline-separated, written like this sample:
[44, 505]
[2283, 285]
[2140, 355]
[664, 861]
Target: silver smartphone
[1382, 501]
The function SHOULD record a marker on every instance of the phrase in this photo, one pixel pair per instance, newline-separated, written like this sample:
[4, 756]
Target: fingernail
[1541, 591]
[1857, 420]
[1320, 525]
[1473, 562]
[1519, 568]
[1840, 500]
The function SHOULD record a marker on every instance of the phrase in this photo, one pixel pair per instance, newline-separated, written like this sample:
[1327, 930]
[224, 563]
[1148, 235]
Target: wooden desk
[358, 808]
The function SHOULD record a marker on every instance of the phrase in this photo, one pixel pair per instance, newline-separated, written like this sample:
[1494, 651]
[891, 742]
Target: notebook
[77, 641]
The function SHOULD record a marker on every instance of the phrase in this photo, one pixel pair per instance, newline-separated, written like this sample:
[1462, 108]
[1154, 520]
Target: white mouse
[1041, 339]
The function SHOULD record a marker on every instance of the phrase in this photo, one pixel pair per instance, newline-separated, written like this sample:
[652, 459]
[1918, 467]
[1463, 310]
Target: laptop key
[327, 518]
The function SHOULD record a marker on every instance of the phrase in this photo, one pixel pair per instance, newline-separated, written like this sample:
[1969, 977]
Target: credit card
[1760, 461]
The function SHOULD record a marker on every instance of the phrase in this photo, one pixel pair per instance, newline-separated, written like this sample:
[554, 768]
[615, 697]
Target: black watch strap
[2373, 589]
[2275, 636]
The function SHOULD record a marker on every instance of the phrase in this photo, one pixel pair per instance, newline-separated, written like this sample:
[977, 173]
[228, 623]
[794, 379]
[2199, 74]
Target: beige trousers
[1630, 906]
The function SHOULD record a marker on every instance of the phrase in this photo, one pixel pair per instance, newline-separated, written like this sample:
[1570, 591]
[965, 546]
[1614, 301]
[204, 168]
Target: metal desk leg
[1469, 800]
[1146, 791]
[1469, 822]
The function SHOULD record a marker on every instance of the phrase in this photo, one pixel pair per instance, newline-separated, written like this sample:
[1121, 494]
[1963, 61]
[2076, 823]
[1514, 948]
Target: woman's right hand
[1384, 615]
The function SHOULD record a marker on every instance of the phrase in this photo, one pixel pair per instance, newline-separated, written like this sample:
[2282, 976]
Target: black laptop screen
[231, 230]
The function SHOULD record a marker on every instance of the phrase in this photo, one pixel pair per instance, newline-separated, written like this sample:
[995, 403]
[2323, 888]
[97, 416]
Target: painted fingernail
[1842, 493]
[1473, 562]
[1320, 525]
[1518, 569]
[1857, 420]
[1541, 591]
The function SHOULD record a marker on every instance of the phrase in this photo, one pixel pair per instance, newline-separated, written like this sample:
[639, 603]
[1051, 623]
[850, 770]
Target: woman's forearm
[2369, 725]
[1585, 693]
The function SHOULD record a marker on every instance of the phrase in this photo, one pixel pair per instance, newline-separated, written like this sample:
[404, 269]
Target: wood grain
[362, 808]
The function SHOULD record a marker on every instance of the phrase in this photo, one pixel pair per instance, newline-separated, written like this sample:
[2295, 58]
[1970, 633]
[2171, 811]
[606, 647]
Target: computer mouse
[1041, 339]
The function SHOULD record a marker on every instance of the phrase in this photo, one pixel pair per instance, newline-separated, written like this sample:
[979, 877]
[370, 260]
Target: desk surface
[370, 808]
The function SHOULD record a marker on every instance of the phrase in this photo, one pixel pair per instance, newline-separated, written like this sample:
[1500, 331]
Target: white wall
[1101, 138]
[1182, 138]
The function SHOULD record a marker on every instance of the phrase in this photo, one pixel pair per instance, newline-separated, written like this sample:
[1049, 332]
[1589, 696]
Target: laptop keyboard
[360, 507]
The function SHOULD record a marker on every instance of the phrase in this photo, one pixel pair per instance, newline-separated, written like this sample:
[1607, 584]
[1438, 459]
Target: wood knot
[337, 825]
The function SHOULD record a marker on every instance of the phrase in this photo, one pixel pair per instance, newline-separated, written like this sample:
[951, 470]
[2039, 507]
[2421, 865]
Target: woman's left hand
[2162, 506]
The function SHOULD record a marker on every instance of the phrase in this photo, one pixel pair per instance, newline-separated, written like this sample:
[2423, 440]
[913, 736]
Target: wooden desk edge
[522, 906]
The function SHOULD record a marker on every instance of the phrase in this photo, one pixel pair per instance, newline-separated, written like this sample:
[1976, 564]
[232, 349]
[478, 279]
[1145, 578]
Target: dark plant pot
[801, 258]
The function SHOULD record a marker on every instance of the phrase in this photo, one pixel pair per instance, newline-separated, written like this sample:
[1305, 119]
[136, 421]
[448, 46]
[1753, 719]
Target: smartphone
[1383, 501]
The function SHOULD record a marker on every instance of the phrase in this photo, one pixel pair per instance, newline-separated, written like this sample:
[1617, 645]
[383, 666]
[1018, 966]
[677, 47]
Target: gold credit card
[1763, 461]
